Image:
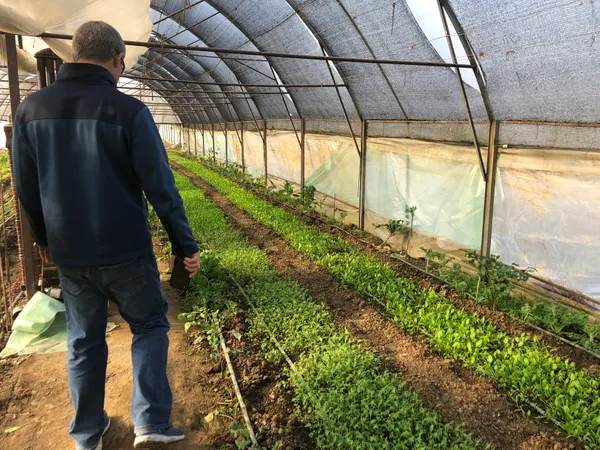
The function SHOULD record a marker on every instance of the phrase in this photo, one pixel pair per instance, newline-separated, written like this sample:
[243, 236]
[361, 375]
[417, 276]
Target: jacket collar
[91, 73]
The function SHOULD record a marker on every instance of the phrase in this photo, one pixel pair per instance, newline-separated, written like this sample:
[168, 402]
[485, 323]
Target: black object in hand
[180, 277]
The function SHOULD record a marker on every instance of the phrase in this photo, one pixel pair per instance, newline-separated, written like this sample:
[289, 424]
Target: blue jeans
[135, 287]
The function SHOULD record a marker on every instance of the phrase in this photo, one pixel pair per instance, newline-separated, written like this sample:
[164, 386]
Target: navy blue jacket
[84, 154]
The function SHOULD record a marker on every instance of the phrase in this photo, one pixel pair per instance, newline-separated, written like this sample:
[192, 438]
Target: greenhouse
[398, 209]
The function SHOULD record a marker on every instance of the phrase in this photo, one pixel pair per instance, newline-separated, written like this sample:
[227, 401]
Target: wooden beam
[27, 243]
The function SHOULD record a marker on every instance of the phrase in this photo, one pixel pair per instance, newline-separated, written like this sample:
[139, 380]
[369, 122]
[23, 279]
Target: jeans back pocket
[125, 279]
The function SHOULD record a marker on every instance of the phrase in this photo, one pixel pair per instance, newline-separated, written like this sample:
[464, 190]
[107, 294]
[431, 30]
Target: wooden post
[265, 151]
[490, 190]
[362, 174]
[28, 263]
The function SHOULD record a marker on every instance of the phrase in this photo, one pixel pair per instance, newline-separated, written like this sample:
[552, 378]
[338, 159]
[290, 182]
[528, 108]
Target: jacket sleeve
[27, 185]
[151, 165]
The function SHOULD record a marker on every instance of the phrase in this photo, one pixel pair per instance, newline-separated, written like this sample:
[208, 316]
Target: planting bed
[342, 392]
[525, 368]
[455, 393]
[415, 270]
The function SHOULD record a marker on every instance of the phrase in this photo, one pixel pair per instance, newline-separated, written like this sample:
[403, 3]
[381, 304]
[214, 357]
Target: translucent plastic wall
[443, 182]
[547, 217]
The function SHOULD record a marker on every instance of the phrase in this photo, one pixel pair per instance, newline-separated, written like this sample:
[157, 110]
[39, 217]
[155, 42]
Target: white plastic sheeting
[547, 217]
[550, 216]
[34, 17]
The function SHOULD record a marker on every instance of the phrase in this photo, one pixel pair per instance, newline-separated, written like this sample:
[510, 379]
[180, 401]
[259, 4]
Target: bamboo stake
[238, 393]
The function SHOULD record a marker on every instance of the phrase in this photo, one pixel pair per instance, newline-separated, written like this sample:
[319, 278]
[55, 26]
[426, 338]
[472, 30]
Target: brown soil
[366, 243]
[34, 394]
[269, 403]
[455, 393]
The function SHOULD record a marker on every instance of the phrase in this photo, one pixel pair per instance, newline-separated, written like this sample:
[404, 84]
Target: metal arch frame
[270, 64]
[228, 65]
[461, 87]
[325, 49]
[370, 49]
[492, 157]
[169, 61]
[173, 104]
[170, 101]
[165, 68]
[208, 72]
[237, 77]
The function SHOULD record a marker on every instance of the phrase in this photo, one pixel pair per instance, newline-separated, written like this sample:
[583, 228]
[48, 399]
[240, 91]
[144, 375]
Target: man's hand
[192, 263]
[45, 255]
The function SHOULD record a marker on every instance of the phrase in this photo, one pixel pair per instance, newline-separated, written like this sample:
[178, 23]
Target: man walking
[84, 156]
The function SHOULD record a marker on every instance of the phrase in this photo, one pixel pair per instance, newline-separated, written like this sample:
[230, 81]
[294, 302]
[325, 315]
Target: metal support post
[26, 234]
[302, 153]
[363, 174]
[490, 189]
[242, 145]
[189, 141]
[213, 142]
[461, 86]
[203, 143]
[265, 152]
[195, 141]
[226, 147]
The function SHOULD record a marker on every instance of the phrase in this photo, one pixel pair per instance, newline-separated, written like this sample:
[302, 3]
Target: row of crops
[346, 398]
[524, 367]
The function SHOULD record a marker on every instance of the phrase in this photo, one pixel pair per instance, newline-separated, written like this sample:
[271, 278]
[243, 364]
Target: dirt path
[443, 385]
[34, 394]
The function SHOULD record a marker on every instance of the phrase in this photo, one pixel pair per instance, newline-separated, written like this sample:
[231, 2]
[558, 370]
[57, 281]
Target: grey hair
[97, 41]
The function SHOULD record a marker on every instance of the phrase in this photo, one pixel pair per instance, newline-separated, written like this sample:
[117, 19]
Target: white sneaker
[158, 437]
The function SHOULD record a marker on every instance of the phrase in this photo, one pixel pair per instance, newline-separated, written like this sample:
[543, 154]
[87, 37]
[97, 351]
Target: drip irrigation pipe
[562, 339]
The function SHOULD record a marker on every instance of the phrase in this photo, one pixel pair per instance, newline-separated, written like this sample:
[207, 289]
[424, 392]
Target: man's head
[99, 43]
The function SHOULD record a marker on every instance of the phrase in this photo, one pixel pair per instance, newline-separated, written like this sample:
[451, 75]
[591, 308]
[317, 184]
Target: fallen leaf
[11, 430]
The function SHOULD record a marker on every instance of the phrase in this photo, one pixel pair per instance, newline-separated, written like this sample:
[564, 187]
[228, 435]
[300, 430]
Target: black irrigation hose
[562, 339]
[428, 274]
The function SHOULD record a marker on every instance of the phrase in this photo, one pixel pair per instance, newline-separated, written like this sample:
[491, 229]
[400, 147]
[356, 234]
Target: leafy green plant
[340, 389]
[287, 192]
[592, 336]
[400, 226]
[526, 368]
[442, 259]
[498, 278]
[308, 196]
[393, 227]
